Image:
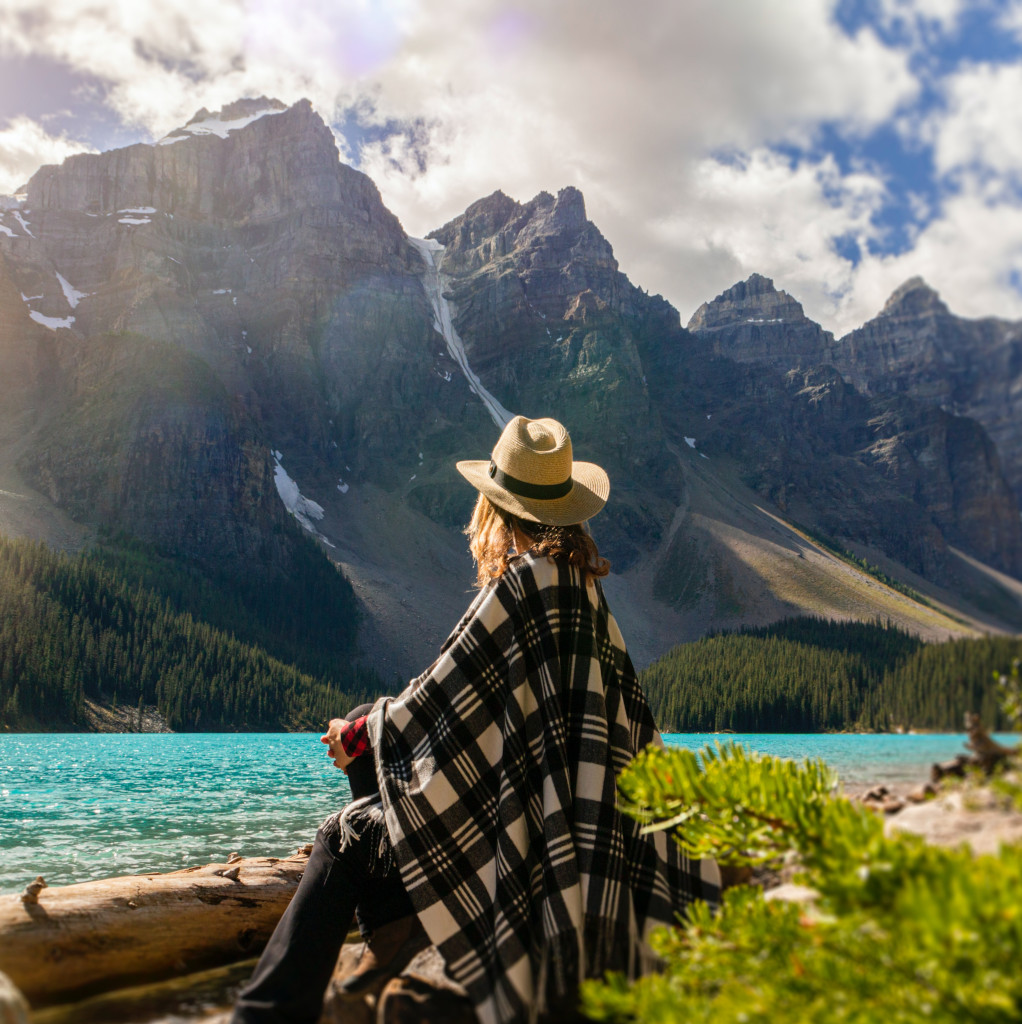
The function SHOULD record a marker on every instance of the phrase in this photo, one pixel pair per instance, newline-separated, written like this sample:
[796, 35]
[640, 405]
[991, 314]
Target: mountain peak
[245, 107]
[570, 206]
[914, 298]
[754, 300]
[496, 206]
[232, 117]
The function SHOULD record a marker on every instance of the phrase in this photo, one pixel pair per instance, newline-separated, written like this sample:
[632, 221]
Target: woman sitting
[494, 815]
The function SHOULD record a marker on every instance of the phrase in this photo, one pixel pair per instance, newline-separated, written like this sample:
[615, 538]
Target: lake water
[75, 807]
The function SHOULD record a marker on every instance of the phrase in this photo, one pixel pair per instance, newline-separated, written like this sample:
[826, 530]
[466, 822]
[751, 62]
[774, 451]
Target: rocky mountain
[208, 342]
[276, 287]
[914, 347]
[972, 368]
[753, 322]
[549, 322]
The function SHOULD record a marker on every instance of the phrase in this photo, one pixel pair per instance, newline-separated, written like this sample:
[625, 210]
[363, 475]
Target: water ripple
[78, 807]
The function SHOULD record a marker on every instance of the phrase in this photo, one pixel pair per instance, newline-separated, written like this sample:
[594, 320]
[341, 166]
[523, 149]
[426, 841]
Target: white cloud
[921, 18]
[613, 102]
[160, 62]
[969, 241]
[981, 129]
[764, 214]
[761, 213]
[606, 88]
[628, 109]
[1010, 20]
[969, 254]
[634, 107]
[25, 146]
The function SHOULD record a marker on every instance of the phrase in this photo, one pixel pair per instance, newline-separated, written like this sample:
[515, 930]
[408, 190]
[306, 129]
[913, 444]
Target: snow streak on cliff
[432, 253]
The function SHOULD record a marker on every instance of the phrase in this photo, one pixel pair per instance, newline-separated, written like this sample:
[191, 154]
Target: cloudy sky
[837, 146]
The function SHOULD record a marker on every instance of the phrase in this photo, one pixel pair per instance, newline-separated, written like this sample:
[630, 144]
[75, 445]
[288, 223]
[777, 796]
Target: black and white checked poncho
[497, 771]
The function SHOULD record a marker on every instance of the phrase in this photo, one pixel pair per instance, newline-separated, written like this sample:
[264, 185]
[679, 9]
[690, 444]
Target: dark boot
[387, 952]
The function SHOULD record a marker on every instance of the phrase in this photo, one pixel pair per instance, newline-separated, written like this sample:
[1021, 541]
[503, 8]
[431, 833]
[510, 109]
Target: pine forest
[814, 675]
[93, 627]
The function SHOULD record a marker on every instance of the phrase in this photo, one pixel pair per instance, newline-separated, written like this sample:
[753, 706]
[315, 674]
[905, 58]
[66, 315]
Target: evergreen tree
[811, 675]
[78, 628]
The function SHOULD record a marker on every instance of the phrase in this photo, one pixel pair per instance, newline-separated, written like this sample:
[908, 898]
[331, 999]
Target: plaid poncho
[497, 771]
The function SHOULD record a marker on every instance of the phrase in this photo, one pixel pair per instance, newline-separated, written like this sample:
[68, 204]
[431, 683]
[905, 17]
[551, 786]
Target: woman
[496, 772]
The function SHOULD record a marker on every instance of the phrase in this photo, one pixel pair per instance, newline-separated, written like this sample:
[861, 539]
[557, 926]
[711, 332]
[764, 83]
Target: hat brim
[590, 488]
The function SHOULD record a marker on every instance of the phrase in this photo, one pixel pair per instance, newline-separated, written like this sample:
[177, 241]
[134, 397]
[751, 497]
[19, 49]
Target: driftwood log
[987, 750]
[89, 953]
[987, 753]
[67, 941]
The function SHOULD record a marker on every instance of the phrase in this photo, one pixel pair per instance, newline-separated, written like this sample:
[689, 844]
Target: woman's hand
[332, 739]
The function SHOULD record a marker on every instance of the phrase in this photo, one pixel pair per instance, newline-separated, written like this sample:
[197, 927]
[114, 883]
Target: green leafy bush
[900, 931]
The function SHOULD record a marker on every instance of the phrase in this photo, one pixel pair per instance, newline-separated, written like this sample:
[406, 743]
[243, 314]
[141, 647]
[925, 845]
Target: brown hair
[491, 540]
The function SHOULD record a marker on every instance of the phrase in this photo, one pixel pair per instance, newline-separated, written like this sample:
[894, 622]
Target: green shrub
[900, 931]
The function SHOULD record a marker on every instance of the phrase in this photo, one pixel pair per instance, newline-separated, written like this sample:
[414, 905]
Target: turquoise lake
[75, 807]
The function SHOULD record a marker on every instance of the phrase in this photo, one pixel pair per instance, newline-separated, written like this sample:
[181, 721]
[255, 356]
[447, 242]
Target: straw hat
[531, 475]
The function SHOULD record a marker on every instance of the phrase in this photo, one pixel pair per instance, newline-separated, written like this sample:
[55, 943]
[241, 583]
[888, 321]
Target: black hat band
[524, 489]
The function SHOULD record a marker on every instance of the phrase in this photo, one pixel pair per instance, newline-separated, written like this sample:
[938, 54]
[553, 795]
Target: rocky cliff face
[911, 418]
[972, 368]
[242, 241]
[753, 301]
[915, 347]
[549, 322]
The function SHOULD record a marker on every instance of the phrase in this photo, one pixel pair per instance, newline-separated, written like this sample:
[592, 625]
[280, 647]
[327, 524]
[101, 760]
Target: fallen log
[989, 753]
[73, 940]
[955, 767]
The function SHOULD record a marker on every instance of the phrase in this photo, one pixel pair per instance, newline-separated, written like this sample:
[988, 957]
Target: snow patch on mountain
[24, 224]
[214, 125]
[432, 253]
[305, 510]
[72, 294]
[53, 322]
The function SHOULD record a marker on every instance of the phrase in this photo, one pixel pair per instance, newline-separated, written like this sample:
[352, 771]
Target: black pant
[291, 977]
